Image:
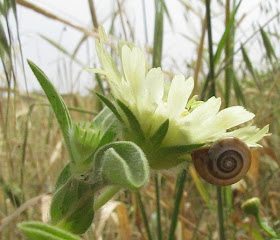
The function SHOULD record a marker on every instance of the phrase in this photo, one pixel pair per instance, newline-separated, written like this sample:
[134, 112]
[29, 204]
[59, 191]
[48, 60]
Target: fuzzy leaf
[122, 163]
[42, 231]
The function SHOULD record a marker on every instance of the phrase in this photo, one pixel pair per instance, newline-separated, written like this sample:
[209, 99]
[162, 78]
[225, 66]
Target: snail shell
[223, 163]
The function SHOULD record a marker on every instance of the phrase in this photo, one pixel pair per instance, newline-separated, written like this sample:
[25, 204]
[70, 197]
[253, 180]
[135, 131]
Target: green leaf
[159, 135]
[110, 105]
[122, 163]
[57, 103]
[133, 122]
[42, 231]
[72, 206]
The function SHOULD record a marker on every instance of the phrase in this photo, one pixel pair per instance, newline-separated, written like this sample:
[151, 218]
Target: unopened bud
[251, 206]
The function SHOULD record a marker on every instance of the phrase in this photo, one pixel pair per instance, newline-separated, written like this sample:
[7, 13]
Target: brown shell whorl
[223, 163]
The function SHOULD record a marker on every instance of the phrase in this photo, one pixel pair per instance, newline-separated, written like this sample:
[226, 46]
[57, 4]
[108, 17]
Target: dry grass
[33, 154]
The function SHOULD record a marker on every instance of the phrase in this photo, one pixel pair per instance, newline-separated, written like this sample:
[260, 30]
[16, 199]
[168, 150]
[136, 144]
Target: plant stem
[158, 34]
[159, 232]
[266, 228]
[105, 196]
[210, 43]
[93, 14]
[145, 21]
[180, 186]
[213, 93]
[157, 55]
[144, 215]
[220, 213]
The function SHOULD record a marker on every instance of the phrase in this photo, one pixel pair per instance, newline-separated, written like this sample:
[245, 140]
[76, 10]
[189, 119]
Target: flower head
[153, 102]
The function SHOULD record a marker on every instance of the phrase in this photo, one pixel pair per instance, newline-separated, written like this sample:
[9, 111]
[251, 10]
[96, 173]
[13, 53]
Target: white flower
[190, 121]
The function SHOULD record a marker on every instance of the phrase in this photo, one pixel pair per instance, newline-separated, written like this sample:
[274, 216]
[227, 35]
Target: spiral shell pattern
[223, 163]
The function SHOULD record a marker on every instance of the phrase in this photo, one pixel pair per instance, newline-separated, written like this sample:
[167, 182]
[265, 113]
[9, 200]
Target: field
[240, 71]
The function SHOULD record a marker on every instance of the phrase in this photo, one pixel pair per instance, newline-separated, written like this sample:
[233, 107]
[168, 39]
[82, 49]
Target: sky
[179, 46]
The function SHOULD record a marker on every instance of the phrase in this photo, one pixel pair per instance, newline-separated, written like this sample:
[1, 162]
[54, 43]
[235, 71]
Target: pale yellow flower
[190, 122]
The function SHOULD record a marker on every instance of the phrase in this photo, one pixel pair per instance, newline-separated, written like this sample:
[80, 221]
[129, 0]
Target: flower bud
[251, 206]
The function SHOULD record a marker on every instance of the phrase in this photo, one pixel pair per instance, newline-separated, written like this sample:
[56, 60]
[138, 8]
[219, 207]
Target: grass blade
[200, 188]
[218, 53]
[267, 44]
[61, 49]
[238, 91]
[250, 67]
[226, 35]
[158, 33]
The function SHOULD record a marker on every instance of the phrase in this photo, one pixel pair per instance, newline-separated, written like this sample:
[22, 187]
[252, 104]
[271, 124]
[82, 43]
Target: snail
[225, 162]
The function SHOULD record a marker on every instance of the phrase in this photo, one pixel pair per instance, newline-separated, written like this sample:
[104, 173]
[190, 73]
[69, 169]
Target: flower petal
[179, 93]
[230, 117]
[107, 63]
[134, 69]
[259, 135]
[249, 134]
[154, 85]
[204, 112]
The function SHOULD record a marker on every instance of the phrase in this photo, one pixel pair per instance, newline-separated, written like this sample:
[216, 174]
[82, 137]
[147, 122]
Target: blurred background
[59, 37]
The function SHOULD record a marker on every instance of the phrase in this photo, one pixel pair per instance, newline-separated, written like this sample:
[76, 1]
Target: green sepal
[84, 139]
[121, 163]
[57, 103]
[43, 231]
[133, 122]
[110, 105]
[109, 125]
[88, 137]
[72, 206]
[181, 149]
[170, 157]
[160, 134]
